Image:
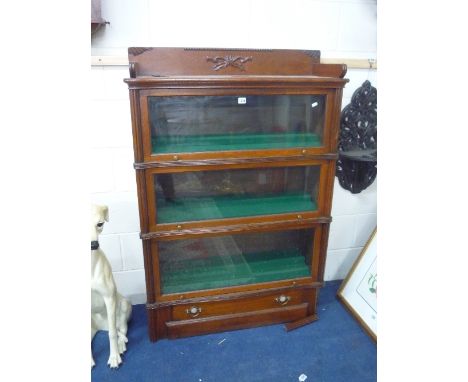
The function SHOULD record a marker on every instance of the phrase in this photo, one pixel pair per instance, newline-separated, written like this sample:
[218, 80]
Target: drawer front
[241, 305]
[235, 321]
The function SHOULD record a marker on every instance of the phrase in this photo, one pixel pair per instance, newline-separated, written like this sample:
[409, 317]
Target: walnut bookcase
[235, 153]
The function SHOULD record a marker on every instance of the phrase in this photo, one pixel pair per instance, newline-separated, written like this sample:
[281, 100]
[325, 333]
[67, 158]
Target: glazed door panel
[234, 193]
[235, 122]
[187, 124]
[232, 260]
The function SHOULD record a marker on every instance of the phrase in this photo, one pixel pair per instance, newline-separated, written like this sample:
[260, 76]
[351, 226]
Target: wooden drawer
[196, 326]
[240, 305]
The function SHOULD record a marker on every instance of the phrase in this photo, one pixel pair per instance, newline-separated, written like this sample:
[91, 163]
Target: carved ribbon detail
[356, 167]
[223, 62]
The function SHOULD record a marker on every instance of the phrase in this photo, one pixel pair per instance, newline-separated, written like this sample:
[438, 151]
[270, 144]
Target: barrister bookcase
[235, 153]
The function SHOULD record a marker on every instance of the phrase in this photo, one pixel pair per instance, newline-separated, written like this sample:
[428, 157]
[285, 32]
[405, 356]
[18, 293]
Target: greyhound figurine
[109, 309]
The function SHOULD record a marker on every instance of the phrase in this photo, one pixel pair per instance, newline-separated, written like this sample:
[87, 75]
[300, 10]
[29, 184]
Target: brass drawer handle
[194, 311]
[282, 300]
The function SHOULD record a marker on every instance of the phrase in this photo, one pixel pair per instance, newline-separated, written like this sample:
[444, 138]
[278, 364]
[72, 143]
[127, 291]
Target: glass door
[190, 124]
[232, 193]
[232, 260]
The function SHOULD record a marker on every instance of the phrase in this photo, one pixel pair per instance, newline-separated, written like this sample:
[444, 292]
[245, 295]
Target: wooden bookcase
[235, 153]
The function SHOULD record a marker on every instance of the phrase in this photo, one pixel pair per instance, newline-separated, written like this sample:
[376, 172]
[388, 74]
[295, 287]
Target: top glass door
[239, 122]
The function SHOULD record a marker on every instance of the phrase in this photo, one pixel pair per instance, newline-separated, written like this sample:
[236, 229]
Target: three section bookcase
[235, 153]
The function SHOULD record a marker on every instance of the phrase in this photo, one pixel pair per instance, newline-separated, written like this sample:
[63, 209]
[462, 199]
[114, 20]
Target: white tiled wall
[339, 28]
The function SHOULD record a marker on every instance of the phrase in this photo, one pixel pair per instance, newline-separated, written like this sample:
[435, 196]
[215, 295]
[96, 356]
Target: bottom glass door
[230, 260]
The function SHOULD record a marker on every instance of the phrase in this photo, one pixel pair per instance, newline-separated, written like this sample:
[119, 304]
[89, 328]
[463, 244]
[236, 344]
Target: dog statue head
[99, 215]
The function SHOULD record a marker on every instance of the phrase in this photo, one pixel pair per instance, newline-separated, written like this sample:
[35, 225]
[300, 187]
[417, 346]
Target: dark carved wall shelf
[356, 167]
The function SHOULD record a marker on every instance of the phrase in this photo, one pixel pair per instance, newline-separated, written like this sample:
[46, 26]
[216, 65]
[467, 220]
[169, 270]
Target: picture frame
[358, 292]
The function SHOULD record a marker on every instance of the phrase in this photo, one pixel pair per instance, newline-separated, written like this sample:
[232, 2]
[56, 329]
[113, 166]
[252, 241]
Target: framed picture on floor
[358, 293]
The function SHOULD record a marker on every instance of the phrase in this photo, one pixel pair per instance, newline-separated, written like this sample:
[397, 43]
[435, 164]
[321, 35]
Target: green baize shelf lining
[221, 142]
[222, 207]
[229, 270]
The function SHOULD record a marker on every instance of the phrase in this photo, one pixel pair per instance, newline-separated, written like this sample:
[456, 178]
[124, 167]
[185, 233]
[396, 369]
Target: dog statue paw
[114, 361]
[121, 342]
[109, 309]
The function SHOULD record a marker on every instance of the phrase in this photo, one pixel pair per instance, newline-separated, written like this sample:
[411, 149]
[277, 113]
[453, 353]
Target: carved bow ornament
[223, 62]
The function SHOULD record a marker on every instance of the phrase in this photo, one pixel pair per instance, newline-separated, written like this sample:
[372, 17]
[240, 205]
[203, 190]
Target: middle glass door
[233, 193]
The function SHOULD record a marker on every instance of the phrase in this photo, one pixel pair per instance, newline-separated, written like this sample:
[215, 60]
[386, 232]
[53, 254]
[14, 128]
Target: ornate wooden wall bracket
[356, 167]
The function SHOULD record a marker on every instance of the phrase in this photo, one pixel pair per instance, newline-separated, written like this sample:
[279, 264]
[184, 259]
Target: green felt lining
[230, 270]
[222, 207]
[221, 142]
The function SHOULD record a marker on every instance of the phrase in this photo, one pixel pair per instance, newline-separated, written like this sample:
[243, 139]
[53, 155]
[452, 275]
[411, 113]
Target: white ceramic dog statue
[109, 309]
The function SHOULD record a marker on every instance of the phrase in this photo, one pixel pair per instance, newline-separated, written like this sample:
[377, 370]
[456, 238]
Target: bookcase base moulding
[235, 154]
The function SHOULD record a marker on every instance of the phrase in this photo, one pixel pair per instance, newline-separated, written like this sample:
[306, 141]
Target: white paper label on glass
[242, 100]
